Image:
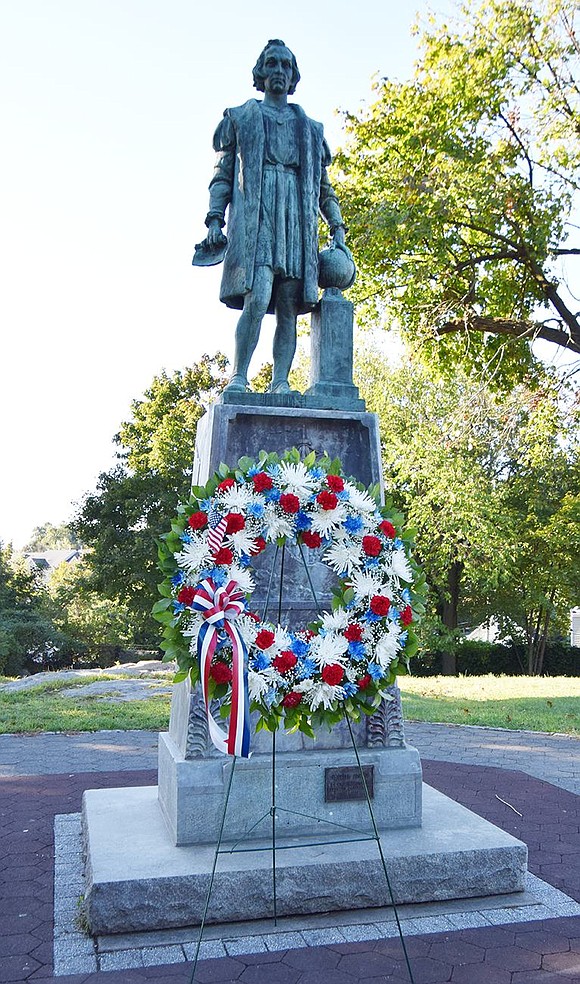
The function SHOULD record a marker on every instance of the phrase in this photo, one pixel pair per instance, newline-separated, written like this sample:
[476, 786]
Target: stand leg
[380, 847]
[273, 814]
[212, 876]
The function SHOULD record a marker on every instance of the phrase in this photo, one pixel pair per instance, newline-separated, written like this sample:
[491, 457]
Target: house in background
[47, 560]
[575, 627]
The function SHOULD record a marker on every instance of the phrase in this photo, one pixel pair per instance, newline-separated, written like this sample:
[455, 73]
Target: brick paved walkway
[546, 952]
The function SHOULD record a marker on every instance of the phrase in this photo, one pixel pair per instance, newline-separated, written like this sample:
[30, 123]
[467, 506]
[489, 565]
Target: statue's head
[259, 67]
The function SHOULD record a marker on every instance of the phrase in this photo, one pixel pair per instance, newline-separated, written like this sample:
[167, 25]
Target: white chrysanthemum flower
[247, 628]
[337, 619]
[237, 497]
[361, 501]
[343, 556]
[195, 554]
[400, 565]
[388, 645]
[282, 639]
[277, 524]
[242, 577]
[365, 585]
[320, 693]
[329, 649]
[294, 478]
[259, 682]
[326, 520]
[242, 541]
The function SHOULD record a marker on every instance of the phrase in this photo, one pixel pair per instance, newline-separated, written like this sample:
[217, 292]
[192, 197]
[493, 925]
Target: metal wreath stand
[276, 809]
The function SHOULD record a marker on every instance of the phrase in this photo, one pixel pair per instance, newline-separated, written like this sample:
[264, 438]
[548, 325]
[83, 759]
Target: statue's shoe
[237, 384]
[283, 388]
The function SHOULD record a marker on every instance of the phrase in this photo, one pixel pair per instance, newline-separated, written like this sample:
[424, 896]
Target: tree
[50, 537]
[101, 627]
[135, 501]
[491, 483]
[459, 186]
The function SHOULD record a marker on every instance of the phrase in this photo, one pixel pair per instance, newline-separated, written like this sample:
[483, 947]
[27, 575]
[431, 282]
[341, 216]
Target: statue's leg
[248, 327]
[288, 297]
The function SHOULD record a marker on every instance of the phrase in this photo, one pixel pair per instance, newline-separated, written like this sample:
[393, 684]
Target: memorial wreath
[344, 660]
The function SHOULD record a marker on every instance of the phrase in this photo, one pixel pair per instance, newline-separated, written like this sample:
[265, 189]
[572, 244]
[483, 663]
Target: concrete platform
[136, 880]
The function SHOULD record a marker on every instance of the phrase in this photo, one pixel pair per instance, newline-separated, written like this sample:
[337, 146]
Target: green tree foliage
[28, 638]
[459, 186]
[491, 483]
[134, 502]
[50, 537]
[102, 628]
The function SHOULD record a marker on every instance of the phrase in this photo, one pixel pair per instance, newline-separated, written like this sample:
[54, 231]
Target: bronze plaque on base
[345, 783]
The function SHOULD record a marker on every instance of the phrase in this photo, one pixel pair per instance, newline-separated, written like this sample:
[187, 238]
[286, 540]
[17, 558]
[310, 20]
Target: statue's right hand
[215, 236]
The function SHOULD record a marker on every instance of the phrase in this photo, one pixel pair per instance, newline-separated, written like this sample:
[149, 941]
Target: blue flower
[317, 473]
[375, 671]
[178, 579]
[218, 576]
[353, 525]
[185, 537]
[256, 509]
[305, 668]
[253, 471]
[260, 661]
[357, 649]
[273, 471]
[371, 562]
[394, 614]
[178, 607]
[406, 596]
[272, 495]
[371, 616]
[398, 543]
[245, 560]
[206, 504]
[303, 521]
[271, 697]
[403, 637]
[299, 647]
[349, 688]
[344, 496]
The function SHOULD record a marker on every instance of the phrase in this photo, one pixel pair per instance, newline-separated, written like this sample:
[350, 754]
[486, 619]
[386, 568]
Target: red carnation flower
[327, 500]
[262, 482]
[332, 674]
[289, 503]
[264, 639]
[371, 545]
[292, 699]
[311, 540]
[285, 661]
[364, 682]
[197, 520]
[259, 545]
[220, 672]
[335, 483]
[223, 556]
[380, 605]
[407, 615]
[388, 529]
[235, 522]
[353, 632]
[226, 484]
[186, 595]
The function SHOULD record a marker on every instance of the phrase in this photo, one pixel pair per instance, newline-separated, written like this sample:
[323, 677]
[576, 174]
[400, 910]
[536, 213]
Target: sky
[107, 111]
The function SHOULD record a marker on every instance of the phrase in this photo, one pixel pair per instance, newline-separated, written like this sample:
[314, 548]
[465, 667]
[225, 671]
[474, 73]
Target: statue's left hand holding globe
[270, 254]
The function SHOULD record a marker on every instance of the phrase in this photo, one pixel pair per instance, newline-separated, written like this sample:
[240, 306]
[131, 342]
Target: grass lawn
[549, 704]
[43, 709]
[532, 703]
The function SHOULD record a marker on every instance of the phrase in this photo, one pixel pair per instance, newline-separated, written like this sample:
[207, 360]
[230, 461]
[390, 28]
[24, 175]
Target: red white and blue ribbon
[219, 609]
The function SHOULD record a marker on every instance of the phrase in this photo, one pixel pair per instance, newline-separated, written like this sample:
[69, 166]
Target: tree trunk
[448, 608]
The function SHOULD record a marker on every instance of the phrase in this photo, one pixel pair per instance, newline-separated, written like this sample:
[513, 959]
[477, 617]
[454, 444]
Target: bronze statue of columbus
[271, 173]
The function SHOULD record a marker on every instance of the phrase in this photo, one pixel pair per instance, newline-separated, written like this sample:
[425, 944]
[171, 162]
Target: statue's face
[277, 70]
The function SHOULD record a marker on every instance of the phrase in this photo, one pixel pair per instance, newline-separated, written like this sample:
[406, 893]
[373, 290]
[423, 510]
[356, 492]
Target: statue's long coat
[238, 182]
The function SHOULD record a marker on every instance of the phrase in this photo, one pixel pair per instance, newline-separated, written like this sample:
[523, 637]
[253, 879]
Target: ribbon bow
[219, 609]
